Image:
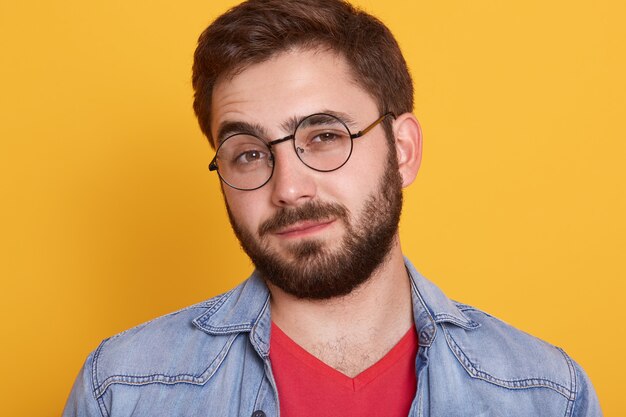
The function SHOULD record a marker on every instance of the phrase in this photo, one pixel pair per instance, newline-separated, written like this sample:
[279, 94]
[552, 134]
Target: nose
[292, 182]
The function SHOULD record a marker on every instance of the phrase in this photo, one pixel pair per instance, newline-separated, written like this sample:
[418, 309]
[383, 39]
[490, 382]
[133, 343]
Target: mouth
[304, 228]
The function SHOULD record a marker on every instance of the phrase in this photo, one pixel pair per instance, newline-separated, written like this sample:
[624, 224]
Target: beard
[311, 270]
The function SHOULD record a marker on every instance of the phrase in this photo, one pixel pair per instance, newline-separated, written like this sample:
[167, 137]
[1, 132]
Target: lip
[304, 228]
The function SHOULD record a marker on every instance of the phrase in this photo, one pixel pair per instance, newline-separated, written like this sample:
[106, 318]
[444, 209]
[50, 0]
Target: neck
[352, 332]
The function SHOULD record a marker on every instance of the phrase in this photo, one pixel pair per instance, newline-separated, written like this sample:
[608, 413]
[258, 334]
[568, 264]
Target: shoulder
[503, 355]
[164, 331]
[154, 341]
[183, 346]
[168, 349]
[173, 356]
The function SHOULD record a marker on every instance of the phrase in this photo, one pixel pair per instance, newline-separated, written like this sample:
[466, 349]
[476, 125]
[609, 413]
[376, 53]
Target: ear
[408, 141]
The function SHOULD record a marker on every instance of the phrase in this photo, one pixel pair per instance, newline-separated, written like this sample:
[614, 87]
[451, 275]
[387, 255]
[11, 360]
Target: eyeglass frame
[214, 167]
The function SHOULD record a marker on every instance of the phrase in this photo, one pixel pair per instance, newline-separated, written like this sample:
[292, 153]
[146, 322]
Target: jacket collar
[246, 309]
[237, 310]
[431, 307]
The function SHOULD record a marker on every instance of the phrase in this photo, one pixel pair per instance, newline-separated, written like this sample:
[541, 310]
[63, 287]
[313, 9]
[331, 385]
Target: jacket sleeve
[82, 401]
[586, 403]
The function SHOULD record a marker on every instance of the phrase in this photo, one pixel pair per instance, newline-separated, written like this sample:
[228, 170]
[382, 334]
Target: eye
[325, 137]
[250, 156]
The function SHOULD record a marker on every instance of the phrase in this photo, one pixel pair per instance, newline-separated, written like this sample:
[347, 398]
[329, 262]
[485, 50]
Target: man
[308, 105]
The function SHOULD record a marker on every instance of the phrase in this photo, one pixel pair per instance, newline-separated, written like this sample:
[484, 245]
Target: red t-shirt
[309, 387]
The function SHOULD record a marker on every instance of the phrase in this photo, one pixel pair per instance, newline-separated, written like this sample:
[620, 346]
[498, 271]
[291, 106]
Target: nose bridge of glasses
[275, 142]
[281, 140]
[270, 145]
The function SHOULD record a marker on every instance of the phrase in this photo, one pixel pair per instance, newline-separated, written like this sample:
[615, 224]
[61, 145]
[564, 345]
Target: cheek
[245, 207]
[361, 175]
[349, 187]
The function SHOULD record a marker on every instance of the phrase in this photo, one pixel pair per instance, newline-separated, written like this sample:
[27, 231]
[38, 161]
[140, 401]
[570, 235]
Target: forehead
[290, 85]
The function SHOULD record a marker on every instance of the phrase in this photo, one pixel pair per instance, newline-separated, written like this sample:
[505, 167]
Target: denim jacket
[212, 359]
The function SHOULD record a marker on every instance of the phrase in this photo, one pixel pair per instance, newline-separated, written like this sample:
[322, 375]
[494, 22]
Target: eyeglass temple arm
[372, 126]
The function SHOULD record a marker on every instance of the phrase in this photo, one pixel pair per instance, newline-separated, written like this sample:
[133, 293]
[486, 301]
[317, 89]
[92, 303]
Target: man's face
[312, 234]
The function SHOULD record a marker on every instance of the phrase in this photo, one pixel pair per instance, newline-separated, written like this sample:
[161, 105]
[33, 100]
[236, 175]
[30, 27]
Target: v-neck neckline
[403, 347]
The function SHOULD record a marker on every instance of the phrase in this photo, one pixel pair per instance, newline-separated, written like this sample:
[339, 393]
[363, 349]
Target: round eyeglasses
[321, 141]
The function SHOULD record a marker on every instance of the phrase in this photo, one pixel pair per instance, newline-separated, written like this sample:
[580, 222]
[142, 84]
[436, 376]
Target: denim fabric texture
[212, 359]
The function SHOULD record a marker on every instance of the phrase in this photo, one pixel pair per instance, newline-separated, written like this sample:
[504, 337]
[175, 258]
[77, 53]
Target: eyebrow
[290, 124]
[229, 128]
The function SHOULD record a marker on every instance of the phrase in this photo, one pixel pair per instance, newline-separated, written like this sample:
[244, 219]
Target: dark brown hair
[256, 30]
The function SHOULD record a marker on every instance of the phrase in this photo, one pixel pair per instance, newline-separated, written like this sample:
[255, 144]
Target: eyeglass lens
[321, 141]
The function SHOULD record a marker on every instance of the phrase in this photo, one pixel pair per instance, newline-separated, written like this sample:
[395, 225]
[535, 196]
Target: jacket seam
[431, 338]
[253, 331]
[258, 392]
[203, 321]
[524, 383]
[94, 377]
[572, 372]
[468, 324]
[202, 305]
[218, 302]
[157, 378]
[221, 331]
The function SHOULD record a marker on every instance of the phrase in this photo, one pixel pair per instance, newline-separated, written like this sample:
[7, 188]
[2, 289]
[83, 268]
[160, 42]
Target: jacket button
[258, 413]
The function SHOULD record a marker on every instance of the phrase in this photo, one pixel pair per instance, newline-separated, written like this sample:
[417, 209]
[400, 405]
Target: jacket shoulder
[168, 349]
[503, 355]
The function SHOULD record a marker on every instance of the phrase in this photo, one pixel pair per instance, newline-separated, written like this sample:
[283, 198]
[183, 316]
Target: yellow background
[109, 216]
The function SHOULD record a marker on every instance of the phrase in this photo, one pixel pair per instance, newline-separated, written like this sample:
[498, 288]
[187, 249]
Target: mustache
[310, 211]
